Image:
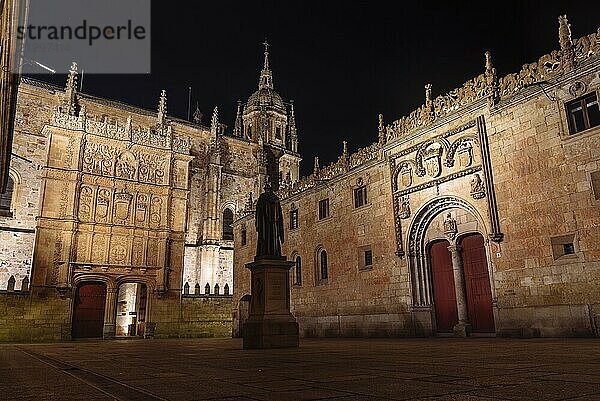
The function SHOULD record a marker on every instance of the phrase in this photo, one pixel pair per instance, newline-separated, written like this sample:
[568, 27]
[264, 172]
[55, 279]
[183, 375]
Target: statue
[450, 227]
[269, 223]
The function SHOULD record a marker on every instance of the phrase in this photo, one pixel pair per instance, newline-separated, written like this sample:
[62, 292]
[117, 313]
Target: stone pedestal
[270, 324]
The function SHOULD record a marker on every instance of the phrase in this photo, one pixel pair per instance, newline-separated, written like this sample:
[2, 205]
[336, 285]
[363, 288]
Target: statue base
[270, 324]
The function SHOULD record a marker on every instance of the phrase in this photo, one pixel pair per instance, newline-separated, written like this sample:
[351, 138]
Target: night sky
[341, 62]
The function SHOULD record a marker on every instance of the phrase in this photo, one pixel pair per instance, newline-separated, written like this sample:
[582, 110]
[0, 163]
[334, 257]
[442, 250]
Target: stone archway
[420, 241]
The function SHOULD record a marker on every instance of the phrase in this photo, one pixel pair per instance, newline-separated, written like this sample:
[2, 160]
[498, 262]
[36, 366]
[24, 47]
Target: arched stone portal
[435, 258]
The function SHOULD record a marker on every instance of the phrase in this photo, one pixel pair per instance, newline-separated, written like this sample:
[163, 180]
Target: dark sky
[342, 62]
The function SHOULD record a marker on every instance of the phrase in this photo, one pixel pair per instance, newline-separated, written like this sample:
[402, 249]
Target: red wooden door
[88, 311]
[444, 296]
[477, 283]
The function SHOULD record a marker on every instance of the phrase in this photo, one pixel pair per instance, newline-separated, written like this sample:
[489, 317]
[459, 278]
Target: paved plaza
[336, 369]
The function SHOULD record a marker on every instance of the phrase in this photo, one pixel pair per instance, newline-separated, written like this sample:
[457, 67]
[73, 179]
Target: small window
[6, 198]
[278, 132]
[564, 247]
[323, 265]
[595, 177]
[298, 275]
[243, 236]
[323, 209]
[293, 219]
[227, 224]
[360, 196]
[583, 113]
[369, 258]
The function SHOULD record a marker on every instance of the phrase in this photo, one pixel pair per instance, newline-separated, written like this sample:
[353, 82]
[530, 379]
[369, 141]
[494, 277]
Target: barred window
[293, 219]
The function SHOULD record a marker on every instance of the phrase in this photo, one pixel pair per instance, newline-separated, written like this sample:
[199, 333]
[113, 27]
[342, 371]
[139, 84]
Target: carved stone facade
[111, 198]
[489, 178]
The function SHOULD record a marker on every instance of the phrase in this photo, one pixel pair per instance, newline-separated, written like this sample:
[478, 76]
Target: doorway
[444, 294]
[131, 310]
[477, 284]
[88, 310]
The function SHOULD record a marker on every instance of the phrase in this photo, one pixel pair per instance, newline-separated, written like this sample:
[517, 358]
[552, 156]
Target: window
[6, 198]
[583, 113]
[278, 132]
[298, 276]
[227, 224]
[595, 177]
[323, 209]
[369, 258]
[293, 219]
[360, 196]
[365, 257]
[323, 264]
[243, 236]
[564, 247]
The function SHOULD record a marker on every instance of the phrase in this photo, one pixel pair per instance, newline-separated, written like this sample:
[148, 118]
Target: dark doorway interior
[88, 310]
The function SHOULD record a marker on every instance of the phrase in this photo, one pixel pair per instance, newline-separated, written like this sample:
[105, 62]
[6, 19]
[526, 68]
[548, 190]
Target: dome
[265, 97]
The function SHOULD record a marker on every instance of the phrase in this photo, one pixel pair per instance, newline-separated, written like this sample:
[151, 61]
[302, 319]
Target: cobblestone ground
[337, 369]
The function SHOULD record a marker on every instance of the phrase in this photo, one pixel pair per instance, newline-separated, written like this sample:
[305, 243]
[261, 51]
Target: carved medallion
[433, 166]
[102, 204]
[142, 208]
[122, 205]
[465, 155]
[406, 176]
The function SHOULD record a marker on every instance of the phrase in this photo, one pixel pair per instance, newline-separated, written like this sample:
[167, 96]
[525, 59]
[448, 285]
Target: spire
[237, 128]
[197, 117]
[491, 79]
[266, 78]
[317, 168]
[214, 122]
[293, 133]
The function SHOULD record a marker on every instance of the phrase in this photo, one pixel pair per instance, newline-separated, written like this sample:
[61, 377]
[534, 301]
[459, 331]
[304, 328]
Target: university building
[478, 213]
[117, 221]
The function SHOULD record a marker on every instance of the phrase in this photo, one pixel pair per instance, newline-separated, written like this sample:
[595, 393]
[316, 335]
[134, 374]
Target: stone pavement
[336, 369]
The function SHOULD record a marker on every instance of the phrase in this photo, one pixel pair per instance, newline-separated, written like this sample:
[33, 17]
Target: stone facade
[106, 197]
[477, 213]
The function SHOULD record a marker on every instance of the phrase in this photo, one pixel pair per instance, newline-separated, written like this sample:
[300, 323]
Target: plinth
[270, 323]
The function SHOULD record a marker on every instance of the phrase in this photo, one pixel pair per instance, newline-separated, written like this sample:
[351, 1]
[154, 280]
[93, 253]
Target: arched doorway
[88, 310]
[477, 284]
[444, 294]
[131, 310]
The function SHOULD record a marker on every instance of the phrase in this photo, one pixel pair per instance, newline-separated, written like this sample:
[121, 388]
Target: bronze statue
[269, 223]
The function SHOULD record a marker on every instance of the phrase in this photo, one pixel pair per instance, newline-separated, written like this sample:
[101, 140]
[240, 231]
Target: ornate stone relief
[488, 85]
[477, 187]
[404, 207]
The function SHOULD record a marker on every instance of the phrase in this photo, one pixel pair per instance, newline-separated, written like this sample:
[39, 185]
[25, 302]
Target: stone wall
[497, 156]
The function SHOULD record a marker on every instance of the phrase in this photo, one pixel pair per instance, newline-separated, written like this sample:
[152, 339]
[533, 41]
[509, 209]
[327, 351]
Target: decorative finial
[429, 112]
[214, 122]
[491, 79]
[345, 148]
[427, 93]
[381, 130]
[237, 128]
[317, 168]
[71, 90]
[566, 43]
[197, 117]
[162, 107]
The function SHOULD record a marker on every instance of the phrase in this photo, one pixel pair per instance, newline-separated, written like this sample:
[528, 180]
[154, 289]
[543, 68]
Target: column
[463, 328]
[110, 312]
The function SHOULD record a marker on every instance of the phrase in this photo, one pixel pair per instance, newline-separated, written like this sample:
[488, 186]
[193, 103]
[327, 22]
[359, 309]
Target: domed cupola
[265, 113]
